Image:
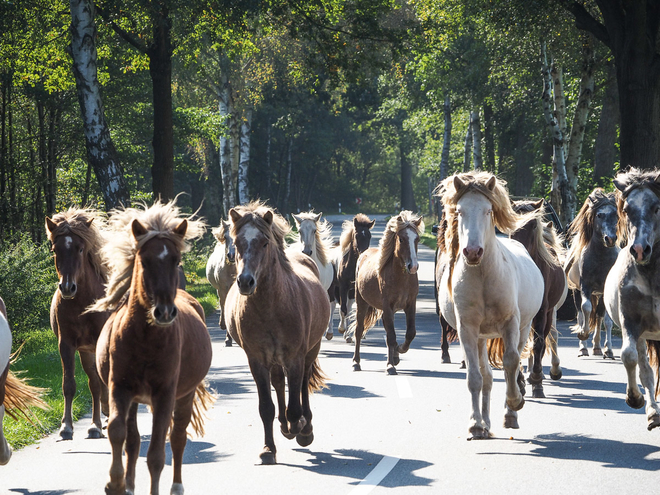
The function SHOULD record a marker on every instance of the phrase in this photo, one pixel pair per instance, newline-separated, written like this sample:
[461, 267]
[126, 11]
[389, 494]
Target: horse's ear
[138, 229]
[318, 217]
[88, 223]
[50, 225]
[268, 217]
[234, 215]
[538, 205]
[491, 183]
[371, 225]
[181, 229]
[418, 222]
[620, 185]
[548, 225]
[458, 183]
[297, 219]
[657, 177]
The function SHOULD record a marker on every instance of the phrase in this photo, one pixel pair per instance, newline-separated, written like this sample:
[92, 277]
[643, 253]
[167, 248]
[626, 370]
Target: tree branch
[125, 35]
[585, 21]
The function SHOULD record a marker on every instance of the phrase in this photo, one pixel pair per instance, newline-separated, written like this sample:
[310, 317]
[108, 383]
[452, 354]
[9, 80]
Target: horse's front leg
[411, 331]
[629, 358]
[329, 332]
[390, 336]
[475, 381]
[514, 341]
[555, 369]
[536, 372]
[88, 361]
[131, 447]
[343, 307]
[67, 355]
[181, 419]
[361, 314]
[608, 354]
[487, 374]
[646, 377]
[120, 402]
[261, 375]
[162, 406]
[583, 320]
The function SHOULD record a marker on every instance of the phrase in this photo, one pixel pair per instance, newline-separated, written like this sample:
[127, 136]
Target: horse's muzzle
[165, 314]
[641, 254]
[473, 255]
[609, 241]
[246, 284]
[68, 291]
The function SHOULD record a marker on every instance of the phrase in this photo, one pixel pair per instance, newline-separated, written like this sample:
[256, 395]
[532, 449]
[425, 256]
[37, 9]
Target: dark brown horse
[548, 257]
[75, 235]
[154, 348]
[386, 282]
[355, 239]
[277, 311]
[449, 334]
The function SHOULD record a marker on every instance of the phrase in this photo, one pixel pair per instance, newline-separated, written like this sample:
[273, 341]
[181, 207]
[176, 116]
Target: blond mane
[405, 219]
[76, 221]
[323, 236]
[121, 247]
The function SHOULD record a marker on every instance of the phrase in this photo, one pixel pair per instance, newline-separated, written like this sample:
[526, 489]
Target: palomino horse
[277, 311]
[76, 240]
[15, 394]
[154, 349]
[355, 239]
[547, 252]
[490, 288]
[315, 241]
[632, 294]
[386, 282]
[221, 269]
[592, 253]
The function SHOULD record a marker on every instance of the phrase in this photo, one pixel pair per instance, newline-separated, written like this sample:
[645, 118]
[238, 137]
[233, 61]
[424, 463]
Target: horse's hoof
[537, 393]
[556, 376]
[66, 433]
[287, 434]
[228, 343]
[516, 407]
[94, 432]
[583, 352]
[403, 348]
[608, 354]
[479, 433]
[535, 379]
[305, 440]
[446, 359]
[115, 490]
[583, 335]
[396, 359]
[511, 422]
[177, 489]
[341, 330]
[267, 457]
[349, 340]
[391, 370]
[635, 402]
[329, 336]
[597, 352]
[357, 367]
[654, 421]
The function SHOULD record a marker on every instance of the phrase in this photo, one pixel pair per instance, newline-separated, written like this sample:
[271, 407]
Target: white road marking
[403, 385]
[376, 475]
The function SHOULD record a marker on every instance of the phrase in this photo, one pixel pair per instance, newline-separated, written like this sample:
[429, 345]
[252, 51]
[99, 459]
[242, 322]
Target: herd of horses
[501, 274]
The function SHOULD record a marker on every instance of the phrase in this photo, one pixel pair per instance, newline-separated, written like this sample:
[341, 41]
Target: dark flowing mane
[582, 226]
[348, 231]
[544, 241]
[276, 232]
[405, 219]
[160, 220]
[87, 224]
[626, 182]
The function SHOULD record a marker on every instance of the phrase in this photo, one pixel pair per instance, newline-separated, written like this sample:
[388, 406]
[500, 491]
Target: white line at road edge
[377, 474]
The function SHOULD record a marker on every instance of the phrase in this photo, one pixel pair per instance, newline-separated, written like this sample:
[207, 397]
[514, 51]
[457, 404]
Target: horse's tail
[496, 352]
[370, 319]
[20, 396]
[202, 402]
[653, 347]
[317, 378]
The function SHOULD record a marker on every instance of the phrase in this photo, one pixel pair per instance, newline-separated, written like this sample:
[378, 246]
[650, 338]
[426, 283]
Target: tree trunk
[605, 152]
[289, 163]
[446, 143]
[559, 190]
[160, 68]
[101, 152]
[407, 194]
[269, 172]
[559, 112]
[475, 124]
[489, 138]
[225, 108]
[468, 148]
[579, 124]
[244, 163]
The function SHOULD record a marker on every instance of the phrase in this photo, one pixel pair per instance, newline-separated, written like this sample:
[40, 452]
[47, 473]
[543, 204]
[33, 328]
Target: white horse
[221, 269]
[315, 241]
[491, 289]
[632, 294]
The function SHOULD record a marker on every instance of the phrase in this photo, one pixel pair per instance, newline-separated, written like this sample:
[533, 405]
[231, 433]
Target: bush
[27, 282]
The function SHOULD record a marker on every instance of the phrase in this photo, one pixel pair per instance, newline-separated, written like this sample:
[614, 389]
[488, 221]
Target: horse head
[157, 266]
[307, 227]
[221, 234]
[605, 218]
[362, 232]
[475, 221]
[405, 229]
[69, 251]
[640, 205]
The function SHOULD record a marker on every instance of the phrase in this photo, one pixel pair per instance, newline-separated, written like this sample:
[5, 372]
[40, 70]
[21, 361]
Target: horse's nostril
[158, 313]
[73, 288]
[175, 312]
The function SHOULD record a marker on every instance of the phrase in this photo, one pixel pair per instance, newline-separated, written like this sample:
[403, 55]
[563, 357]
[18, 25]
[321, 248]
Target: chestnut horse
[75, 235]
[386, 282]
[154, 349]
[490, 288]
[547, 253]
[355, 239]
[221, 269]
[277, 311]
[15, 394]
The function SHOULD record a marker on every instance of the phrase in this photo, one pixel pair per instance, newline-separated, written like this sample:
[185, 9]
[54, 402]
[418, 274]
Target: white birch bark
[475, 124]
[444, 161]
[228, 184]
[101, 152]
[244, 162]
[468, 149]
[557, 75]
[289, 162]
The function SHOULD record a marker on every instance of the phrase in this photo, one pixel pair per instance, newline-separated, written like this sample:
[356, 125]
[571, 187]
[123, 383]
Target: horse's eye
[81, 250]
[266, 244]
[599, 215]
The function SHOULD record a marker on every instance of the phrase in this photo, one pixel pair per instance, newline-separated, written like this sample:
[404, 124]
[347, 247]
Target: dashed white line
[376, 475]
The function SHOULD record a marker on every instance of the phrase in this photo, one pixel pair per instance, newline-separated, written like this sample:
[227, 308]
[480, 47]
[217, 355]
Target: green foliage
[27, 283]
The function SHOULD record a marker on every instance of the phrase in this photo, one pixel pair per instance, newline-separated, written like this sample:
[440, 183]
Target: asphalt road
[375, 432]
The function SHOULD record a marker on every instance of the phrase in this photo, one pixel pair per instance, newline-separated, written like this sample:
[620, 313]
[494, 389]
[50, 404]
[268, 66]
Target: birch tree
[446, 141]
[467, 151]
[475, 125]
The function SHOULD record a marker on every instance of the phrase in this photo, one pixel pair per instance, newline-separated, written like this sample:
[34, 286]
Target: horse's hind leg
[600, 313]
[67, 355]
[261, 375]
[329, 333]
[131, 447]
[294, 411]
[411, 331]
[608, 354]
[536, 373]
[392, 346]
[583, 323]
[181, 418]
[277, 378]
[555, 369]
[646, 377]
[444, 328]
[88, 361]
[514, 342]
[5, 449]
[306, 435]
